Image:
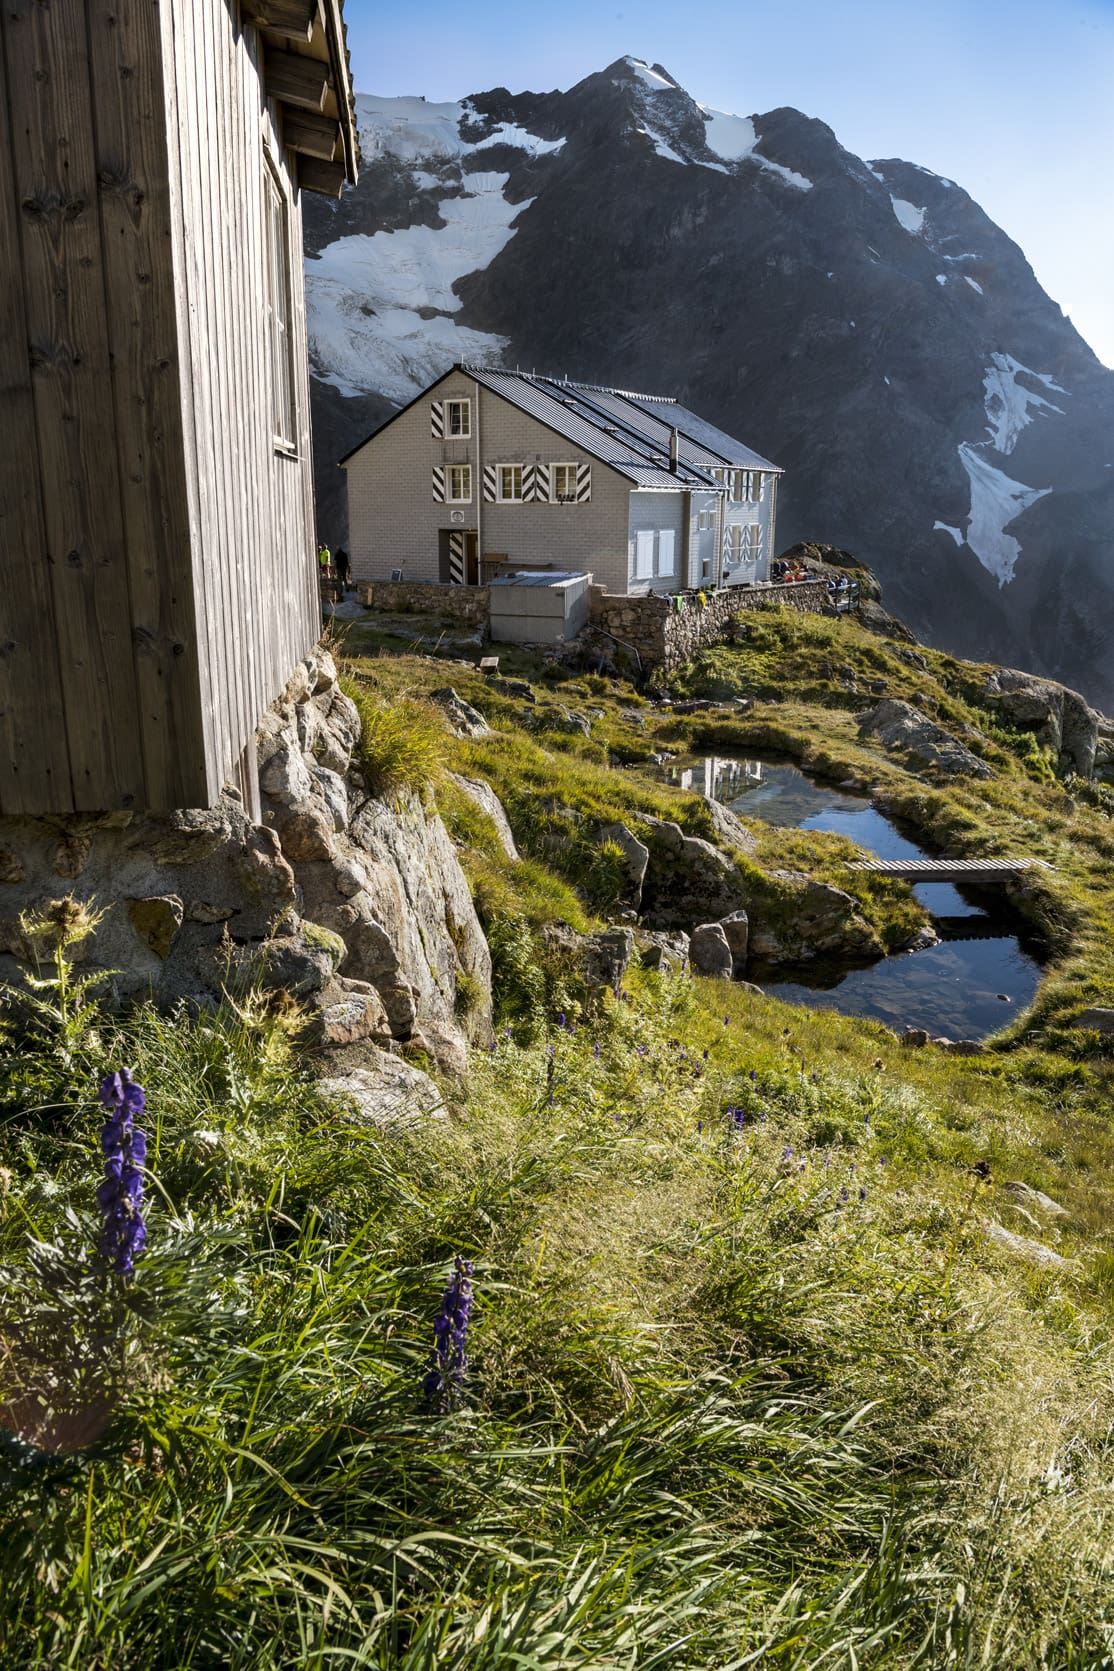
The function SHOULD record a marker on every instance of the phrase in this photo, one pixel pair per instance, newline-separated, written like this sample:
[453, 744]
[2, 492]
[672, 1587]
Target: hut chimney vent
[673, 450]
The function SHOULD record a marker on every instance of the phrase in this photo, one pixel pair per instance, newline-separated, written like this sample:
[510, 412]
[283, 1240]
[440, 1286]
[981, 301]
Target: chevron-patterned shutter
[489, 484]
[726, 545]
[529, 482]
[439, 484]
[583, 483]
[541, 482]
[456, 559]
[437, 420]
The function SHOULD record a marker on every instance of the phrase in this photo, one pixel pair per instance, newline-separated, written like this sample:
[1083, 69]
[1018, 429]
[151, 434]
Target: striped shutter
[456, 559]
[489, 484]
[726, 545]
[529, 483]
[542, 482]
[439, 484]
[437, 420]
[583, 483]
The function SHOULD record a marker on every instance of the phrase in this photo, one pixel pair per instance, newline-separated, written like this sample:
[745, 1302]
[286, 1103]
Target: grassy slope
[743, 1390]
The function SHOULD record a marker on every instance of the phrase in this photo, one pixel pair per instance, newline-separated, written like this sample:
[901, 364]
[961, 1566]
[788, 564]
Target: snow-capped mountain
[866, 325]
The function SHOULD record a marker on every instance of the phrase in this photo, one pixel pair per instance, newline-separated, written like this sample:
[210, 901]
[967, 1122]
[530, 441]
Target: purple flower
[596, 1050]
[844, 1194]
[120, 1192]
[699, 1126]
[753, 1075]
[862, 1192]
[866, 1118]
[727, 1021]
[449, 1358]
[561, 1019]
[705, 1055]
[787, 1152]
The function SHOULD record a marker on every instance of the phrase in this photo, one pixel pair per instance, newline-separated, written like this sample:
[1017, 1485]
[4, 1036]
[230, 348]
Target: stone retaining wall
[406, 597]
[665, 636]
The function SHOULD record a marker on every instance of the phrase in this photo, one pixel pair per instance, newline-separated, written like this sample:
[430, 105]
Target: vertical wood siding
[251, 507]
[156, 575]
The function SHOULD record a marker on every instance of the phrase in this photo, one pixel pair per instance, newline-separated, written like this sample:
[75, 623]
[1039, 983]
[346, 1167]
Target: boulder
[488, 802]
[464, 720]
[607, 956]
[386, 1091]
[811, 919]
[636, 854]
[1098, 1018]
[736, 931]
[709, 951]
[1035, 1199]
[665, 952]
[285, 777]
[901, 728]
[729, 827]
[687, 879]
[1035, 1253]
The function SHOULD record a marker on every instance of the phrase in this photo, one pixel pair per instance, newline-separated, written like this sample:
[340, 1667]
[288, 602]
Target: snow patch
[911, 218]
[996, 502]
[662, 149]
[650, 78]
[956, 533]
[886, 381]
[734, 139]
[941, 278]
[974, 283]
[507, 133]
[1007, 403]
[362, 295]
[878, 176]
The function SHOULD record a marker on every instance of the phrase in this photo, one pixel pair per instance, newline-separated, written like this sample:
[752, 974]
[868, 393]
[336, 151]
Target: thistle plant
[449, 1358]
[120, 1194]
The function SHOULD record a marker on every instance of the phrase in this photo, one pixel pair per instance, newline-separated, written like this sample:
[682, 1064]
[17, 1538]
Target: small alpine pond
[970, 984]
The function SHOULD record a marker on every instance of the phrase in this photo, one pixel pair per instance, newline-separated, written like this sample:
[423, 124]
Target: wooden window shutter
[583, 483]
[439, 484]
[542, 482]
[489, 484]
[529, 482]
[437, 420]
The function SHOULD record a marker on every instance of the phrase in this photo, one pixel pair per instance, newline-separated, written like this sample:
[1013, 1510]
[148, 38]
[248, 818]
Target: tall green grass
[715, 1415]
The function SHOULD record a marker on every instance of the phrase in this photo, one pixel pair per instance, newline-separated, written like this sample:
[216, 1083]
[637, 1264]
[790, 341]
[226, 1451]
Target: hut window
[510, 483]
[459, 477]
[458, 419]
[277, 276]
[562, 479]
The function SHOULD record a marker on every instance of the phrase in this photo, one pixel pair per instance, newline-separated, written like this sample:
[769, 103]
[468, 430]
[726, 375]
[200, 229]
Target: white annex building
[489, 471]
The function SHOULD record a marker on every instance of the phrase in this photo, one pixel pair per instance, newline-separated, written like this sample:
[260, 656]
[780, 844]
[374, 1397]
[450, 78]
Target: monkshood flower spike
[449, 1359]
[120, 1194]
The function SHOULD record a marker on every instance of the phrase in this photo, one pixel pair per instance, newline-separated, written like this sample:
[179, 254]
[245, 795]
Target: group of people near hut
[334, 565]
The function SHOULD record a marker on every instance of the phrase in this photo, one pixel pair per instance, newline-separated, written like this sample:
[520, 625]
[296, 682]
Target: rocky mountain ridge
[864, 324]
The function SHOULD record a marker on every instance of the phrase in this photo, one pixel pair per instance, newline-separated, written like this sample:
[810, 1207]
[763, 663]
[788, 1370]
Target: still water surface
[963, 988]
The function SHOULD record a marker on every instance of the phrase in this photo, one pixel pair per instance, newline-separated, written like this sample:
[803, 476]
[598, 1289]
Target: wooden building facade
[157, 572]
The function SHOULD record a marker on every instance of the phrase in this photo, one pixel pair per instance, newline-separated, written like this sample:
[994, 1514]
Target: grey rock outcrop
[901, 728]
[358, 908]
[814, 920]
[1059, 718]
[687, 879]
[668, 952]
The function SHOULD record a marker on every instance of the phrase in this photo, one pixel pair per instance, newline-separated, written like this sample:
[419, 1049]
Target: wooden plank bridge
[951, 870]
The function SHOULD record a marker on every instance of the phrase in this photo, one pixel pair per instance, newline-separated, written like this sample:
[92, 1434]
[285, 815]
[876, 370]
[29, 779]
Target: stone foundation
[665, 636]
[404, 597]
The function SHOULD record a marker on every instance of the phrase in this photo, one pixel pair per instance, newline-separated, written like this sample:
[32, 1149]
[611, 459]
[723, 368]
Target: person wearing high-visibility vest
[324, 561]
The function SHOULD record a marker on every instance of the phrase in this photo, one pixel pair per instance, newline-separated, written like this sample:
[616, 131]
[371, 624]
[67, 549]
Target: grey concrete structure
[489, 472]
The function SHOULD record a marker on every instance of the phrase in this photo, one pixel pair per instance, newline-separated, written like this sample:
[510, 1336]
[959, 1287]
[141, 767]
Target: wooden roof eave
[307, 71]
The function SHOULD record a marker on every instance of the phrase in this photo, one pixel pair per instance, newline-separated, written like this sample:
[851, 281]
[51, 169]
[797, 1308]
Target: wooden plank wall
[99, 689]
[251, 507]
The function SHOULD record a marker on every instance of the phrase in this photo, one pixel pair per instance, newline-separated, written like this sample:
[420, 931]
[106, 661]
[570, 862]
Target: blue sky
[1014, 99]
